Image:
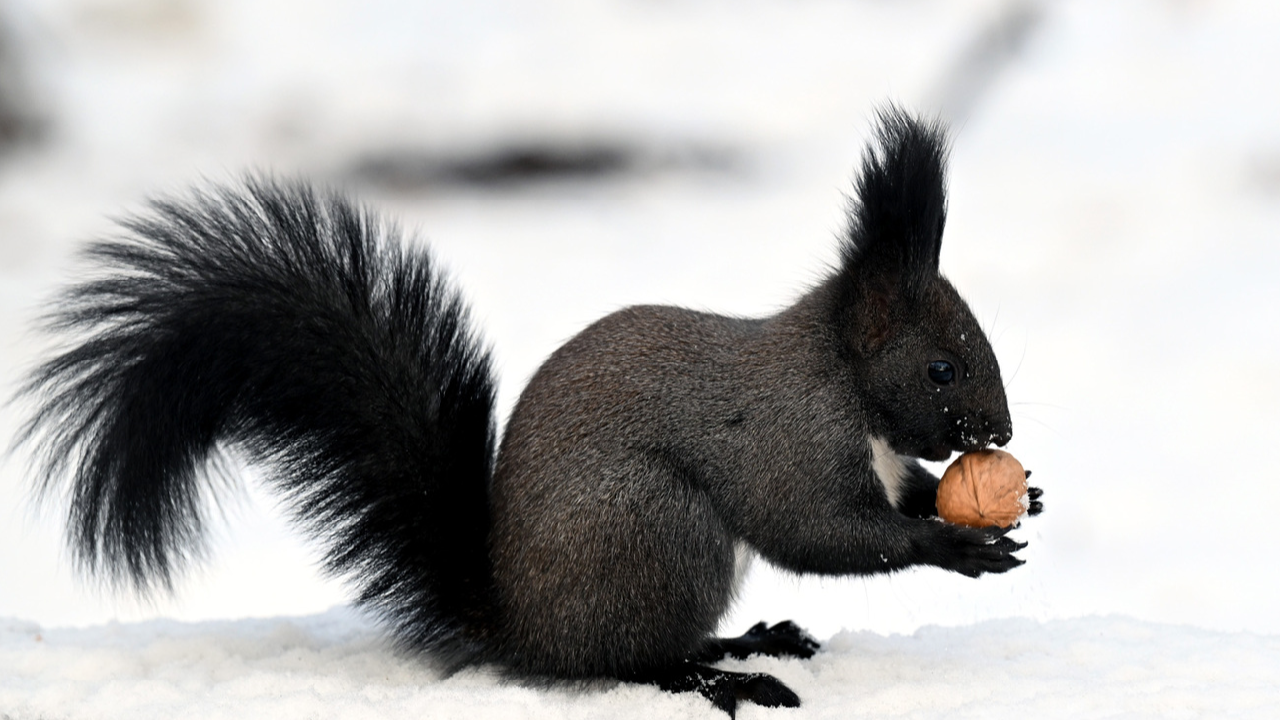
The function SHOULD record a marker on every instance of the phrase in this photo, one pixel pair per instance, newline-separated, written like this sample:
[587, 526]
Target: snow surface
[1115, 208]
[332, 665]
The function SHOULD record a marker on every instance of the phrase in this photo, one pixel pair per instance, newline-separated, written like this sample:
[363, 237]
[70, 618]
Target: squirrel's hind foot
[784, 639]
[725, 689]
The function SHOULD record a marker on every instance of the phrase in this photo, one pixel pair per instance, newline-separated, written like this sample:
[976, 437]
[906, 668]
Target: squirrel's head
[926, 372]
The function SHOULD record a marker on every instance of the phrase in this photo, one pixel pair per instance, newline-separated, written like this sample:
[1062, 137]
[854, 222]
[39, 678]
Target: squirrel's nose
[1001, 431]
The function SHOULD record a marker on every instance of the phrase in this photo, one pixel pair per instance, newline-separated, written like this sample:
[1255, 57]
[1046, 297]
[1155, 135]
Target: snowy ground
[331, 665]
[1114, 218]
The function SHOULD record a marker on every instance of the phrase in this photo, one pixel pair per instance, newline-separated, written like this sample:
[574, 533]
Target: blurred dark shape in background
[23, 117]
[505, 164]
[995, 46]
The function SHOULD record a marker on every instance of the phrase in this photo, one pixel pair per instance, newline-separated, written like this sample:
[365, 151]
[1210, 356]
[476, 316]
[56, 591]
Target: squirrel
[598, 540]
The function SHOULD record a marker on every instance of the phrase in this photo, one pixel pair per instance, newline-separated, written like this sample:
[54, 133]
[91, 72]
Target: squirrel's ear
[900, 207]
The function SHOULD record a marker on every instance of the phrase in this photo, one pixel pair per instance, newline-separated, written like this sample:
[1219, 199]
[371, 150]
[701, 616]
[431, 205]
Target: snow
[1114, 210]
[334, 665]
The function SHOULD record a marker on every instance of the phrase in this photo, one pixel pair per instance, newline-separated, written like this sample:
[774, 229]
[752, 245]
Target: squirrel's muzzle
[975, 432]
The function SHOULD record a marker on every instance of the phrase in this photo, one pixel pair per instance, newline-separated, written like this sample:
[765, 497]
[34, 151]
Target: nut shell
[983, 488]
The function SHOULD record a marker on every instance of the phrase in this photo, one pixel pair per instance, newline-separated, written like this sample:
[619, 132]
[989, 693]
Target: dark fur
[297, 328]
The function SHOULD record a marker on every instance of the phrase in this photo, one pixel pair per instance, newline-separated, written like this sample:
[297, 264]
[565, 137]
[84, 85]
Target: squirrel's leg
[919, 497]
[784, 639]
[722, 687]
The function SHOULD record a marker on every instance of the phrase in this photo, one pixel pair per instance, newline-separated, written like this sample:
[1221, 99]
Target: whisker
[1016, 369]
[1040, 404]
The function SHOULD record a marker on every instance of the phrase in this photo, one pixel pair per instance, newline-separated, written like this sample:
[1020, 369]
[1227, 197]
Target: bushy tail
[297, 328]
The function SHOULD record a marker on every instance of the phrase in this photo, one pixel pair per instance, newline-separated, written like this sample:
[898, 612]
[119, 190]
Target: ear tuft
[897, 216]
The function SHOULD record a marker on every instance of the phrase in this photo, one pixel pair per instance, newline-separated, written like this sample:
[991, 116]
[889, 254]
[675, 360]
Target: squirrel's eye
[942, 372]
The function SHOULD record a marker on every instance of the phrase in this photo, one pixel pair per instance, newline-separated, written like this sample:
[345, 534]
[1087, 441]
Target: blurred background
[1115, 207]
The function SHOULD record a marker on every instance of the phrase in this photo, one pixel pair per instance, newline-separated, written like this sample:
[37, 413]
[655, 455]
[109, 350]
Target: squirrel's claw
[1034, 506]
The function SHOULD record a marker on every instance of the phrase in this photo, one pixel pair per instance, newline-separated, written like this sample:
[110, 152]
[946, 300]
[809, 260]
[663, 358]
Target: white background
[1114, 214]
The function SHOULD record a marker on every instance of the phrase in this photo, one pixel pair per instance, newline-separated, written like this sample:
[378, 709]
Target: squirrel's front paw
[974, 551]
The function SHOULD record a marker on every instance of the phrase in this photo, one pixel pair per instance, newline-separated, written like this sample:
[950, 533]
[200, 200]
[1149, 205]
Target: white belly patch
[743, 556]
[890, 468]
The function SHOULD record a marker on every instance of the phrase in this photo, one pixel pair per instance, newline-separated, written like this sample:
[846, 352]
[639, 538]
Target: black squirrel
[599, 540]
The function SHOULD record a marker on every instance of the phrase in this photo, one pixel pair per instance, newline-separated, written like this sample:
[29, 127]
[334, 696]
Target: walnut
[983, 488]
